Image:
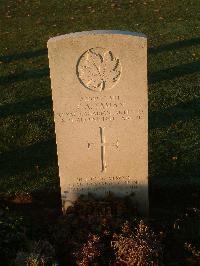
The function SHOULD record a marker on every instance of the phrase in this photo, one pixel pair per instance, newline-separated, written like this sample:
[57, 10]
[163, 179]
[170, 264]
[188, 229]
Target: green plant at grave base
[90, 252]
[12, 235]
[137, 247]
[40, 253]
[91, 232]
[89, 218]
[101, 232]
[194, 253]
[131, 247]
[188, 225]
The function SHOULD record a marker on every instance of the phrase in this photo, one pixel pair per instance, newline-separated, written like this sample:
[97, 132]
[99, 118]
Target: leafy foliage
[90, 251]
[187, 226]
[40, 253]
[12, 234]
[89, 219]
[139, 247]
[102, 232]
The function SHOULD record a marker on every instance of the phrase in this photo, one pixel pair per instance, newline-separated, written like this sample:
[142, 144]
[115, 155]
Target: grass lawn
[28, 160]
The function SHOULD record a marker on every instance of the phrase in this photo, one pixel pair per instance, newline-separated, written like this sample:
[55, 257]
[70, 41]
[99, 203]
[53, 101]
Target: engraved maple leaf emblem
[98, 69]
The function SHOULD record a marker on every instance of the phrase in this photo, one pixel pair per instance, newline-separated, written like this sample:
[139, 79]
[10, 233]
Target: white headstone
[99, 88]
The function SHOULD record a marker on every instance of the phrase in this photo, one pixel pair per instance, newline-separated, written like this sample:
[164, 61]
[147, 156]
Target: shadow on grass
[42, 205]
[165, 74]
[45, 203]
[181, 112]
[174, 72]
[152, 50]
[174, 45]
[25, 75]
[40, 154]
[168, 201]
[25, 55]
[160, 75]
[39, 103]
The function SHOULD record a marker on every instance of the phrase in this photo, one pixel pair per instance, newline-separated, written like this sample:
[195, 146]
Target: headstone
[99, 88]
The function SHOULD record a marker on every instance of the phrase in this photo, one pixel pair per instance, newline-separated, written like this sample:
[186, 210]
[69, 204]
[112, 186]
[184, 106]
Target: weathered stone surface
[99, 88]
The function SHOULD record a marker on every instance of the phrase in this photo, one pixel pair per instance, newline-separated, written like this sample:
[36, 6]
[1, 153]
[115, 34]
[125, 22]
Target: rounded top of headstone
[98, 32]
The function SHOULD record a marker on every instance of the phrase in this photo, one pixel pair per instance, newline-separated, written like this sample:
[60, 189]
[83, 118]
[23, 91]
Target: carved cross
[103, 145]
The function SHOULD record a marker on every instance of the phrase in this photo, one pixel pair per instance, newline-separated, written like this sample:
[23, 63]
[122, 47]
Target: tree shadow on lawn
[174, 72]
[151, 50]
[24, 107]
[24, 55]
[176, 185]
[166, 74]
[31, 162]
[181, 112]
[157, 76]
[40, 154]
[42, 205]
[25, 75]
[175, 45]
